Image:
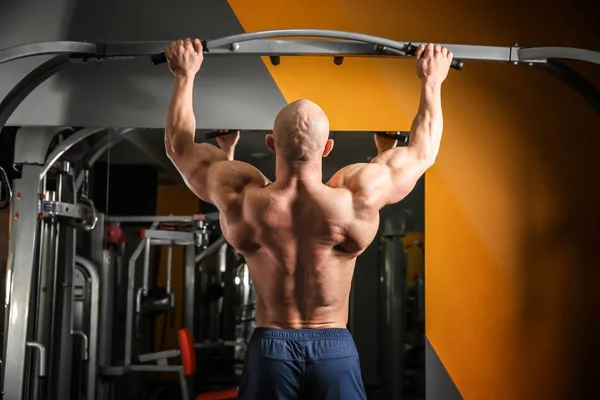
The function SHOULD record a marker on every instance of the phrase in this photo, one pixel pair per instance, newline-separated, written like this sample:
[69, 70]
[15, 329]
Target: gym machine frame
[346, 44]
[44, 218]
[101, 343]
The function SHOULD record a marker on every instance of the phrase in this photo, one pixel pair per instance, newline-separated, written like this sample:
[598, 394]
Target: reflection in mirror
[205, 286]
[154, 277]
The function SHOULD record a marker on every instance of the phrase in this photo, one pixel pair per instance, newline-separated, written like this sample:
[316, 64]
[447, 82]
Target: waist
[277, 314]
[302, 334]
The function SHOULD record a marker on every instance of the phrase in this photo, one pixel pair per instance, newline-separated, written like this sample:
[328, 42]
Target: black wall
[131, 189]
[366, 327]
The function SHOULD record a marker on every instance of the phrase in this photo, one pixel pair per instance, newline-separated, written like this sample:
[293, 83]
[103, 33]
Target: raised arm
[392, 175]
[207, 170]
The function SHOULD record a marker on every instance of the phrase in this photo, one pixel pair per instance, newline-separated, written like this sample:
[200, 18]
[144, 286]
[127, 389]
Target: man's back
[301, 245]
[300, 237]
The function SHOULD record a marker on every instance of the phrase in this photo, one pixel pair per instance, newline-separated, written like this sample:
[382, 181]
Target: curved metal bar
[66, 145]
[47, 48]
[98, 151]
[84, 345]
[130, 304]
[324, 33]
[92, 216]
[576, 81]
[121, 219]
[41, 358]
[5, 183]
[28, 84]
[564, 53]
[212, 249]
[233, 41]
[92, 270]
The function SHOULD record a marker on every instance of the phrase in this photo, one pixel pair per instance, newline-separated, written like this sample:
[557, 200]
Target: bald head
[301, 131]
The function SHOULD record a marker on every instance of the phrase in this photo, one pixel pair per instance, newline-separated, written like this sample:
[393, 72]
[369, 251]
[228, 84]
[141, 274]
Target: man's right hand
[433, 63]
[185, 57]
[384, 143]
[228, 142]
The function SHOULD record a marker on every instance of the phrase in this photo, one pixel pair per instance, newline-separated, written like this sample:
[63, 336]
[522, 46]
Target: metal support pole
[169, 267]
[47, 285]
[146, 277]
[393, 274]
[226, 266]
[94, 317]
[130, 304]
[21, 273]
[20, 270]
[189, 295]
[105, 336]
[215, 307]
[59, 383]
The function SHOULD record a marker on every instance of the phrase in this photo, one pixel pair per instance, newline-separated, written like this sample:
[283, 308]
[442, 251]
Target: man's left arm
[193, 160]
[206, 169]
[209, 171]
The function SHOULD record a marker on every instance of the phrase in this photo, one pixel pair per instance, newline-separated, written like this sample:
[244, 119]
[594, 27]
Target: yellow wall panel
[510, 213]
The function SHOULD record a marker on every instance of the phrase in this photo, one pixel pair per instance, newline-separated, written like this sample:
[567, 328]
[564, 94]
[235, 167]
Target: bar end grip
[456, 63]
[402, 137]
[159, 58]
[215, 134]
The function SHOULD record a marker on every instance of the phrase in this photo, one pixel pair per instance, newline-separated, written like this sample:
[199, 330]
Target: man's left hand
[228, 141]
[384, 143]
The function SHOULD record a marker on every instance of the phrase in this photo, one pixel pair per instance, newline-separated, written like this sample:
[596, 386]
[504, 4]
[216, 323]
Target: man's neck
[294, 173]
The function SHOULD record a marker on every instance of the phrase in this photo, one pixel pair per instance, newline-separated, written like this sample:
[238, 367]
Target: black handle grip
[159, 58]
[455, 64]
[401, 136]
[215, 134]
[392, 135]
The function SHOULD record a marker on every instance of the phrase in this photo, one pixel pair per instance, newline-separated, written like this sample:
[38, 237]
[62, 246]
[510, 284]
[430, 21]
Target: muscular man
[301, 237]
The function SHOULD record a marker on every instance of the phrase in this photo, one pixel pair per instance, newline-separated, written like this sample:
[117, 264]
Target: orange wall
[509, 208]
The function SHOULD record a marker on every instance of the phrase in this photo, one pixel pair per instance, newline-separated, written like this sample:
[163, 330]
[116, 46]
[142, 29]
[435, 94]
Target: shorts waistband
[302, 334]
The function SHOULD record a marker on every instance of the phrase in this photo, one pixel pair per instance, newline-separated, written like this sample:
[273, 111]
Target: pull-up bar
[373, 46]
[261, 44]
[338, 44]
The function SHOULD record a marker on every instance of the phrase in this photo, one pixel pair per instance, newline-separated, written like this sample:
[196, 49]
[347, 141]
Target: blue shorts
[315, 364]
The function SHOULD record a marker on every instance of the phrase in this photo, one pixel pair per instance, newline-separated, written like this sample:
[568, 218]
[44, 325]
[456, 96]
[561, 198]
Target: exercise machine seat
[188, 361]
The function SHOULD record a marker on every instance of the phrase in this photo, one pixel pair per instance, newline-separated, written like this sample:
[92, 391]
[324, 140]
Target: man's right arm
[392, 175]
[403, 166]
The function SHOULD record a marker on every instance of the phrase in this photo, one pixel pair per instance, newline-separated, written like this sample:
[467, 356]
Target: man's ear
[270, 141]
[328, 147]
